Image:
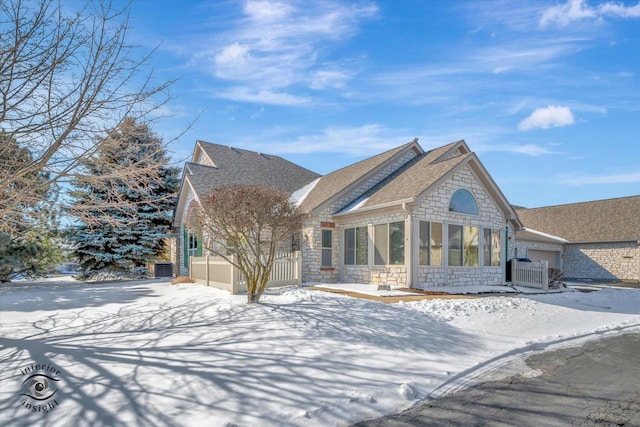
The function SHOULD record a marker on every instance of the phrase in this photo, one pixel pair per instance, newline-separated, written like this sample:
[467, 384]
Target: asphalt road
[597, 384]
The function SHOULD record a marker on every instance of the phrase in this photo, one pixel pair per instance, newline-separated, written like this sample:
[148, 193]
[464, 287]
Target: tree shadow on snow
[38, 296]
[177, 363]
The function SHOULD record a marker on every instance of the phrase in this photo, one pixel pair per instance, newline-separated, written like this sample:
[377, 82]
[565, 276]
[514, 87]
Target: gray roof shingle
[609, 220]
[238, 166]
[338, 181]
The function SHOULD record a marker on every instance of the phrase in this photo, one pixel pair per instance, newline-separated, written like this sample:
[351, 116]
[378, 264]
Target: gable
[609, 220]
[425, 174]
[350, 182]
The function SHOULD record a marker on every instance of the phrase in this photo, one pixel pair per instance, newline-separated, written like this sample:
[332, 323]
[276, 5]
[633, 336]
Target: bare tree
[244, 225]
[66, 79]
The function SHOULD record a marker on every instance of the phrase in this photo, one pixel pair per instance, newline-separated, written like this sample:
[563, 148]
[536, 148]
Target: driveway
[597, 383]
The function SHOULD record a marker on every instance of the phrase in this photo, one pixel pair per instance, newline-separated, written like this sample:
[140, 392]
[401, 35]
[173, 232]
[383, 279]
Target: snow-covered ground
[153, 354]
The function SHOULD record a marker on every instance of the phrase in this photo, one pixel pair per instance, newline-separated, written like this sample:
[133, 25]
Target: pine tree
[128, 234]
[27, 233]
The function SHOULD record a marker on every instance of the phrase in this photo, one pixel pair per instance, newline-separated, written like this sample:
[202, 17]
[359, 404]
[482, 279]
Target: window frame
[324, 249]
[426, 251]
[464, 245]
[458, 205]
[383, 240]
[358, 254]
[492, 247]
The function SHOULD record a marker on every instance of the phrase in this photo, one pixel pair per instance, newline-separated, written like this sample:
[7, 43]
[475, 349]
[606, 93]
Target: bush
[182, 279]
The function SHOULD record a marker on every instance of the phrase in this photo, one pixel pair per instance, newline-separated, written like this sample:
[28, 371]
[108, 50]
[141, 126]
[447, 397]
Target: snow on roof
[548, 236]
[298, 196]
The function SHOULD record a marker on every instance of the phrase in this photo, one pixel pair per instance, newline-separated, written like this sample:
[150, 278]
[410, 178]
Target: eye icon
[39, 387]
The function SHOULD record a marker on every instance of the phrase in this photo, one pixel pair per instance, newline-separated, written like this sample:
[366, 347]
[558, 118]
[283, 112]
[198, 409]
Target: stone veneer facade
[433, 207]
[610, 261]
[311, 242]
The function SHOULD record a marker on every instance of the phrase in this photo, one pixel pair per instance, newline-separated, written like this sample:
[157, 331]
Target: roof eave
[382, 206]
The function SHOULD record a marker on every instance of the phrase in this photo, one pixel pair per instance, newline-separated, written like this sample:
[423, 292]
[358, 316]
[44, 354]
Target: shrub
[182, 279]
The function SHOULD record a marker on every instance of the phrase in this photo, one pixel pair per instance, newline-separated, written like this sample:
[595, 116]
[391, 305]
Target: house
[405, 217]
[598, 240]
[214, 165]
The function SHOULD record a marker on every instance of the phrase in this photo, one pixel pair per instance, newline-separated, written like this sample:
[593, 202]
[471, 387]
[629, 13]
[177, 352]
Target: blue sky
[547, 93]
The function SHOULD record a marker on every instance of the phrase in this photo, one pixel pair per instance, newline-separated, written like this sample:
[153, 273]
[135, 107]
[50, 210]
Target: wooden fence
[216, 272]
[531, 274]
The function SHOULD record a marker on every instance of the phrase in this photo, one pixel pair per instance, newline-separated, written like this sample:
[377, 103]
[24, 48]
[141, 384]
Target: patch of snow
[149, 353]
[357, 204]
[549, 236]
[298, 196]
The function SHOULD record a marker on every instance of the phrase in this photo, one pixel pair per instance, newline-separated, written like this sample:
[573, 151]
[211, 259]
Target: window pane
[326, 238]
[487, 246]
[435, 257]
[470, 257]
[396, 243]
[424, 243]
[462, 201]
[349, 246]
[455, 245]
[381, 243]
[496, 248]
[362, 246]
[326, 257]
[327, 246]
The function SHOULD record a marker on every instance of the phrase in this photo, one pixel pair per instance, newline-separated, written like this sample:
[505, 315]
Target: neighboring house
[214, 165]
[597, 240]
[406, 217]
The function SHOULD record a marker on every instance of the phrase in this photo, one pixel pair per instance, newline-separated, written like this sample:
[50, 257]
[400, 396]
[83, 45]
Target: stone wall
[435, 208]
[608, 261]
[311, 243]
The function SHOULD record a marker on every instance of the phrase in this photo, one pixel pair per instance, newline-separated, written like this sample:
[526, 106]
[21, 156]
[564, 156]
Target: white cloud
[323, 79]
[278, 47]
[261, 96]
[551, 116]
[622, 178]
[364, 140]
[577, 10]
[527, 149]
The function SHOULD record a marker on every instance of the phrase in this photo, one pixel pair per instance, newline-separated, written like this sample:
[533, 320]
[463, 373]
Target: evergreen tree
[28, 233]
[131, 232]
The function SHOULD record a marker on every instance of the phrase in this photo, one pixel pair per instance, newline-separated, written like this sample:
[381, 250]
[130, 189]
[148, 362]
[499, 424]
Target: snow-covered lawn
[153, 354]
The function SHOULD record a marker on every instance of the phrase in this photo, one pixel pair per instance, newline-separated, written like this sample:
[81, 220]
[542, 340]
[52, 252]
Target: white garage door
[550, 256]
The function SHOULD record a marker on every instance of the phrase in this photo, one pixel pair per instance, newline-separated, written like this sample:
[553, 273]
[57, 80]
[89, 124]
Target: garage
[552, 257]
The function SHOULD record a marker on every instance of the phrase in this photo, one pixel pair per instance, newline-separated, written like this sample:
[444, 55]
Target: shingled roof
[610, 220]
[338, 182]
[224, 165]
[238, 166]
[422, 174]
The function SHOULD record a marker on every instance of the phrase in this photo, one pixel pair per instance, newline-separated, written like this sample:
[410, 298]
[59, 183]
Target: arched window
[463, 201]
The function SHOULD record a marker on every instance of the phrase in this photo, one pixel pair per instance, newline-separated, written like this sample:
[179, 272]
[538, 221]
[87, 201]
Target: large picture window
[492, 247]
[430, 243]
[356, 246]
[463, 246]
[327, 248]
[389, 243]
